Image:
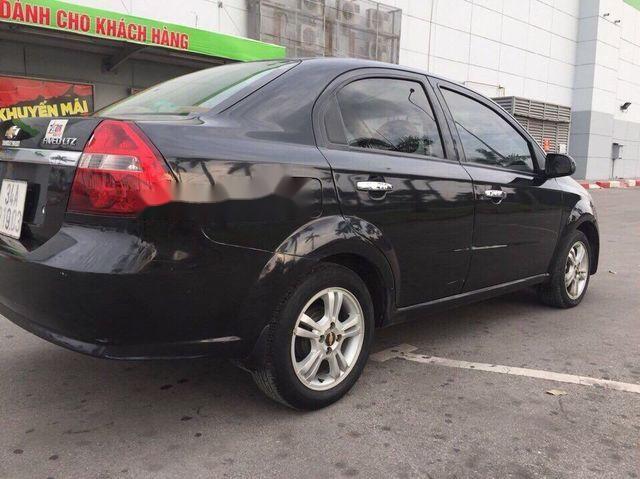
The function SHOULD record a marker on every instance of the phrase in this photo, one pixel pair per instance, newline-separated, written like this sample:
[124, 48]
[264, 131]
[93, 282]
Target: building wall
[607, 75]
[40, 61]
[584, 54]
[512, 47]
[581, 54]
[626, 127]
[498, 47]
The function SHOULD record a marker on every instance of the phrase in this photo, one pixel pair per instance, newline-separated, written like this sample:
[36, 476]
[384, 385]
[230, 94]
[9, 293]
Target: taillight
[119, 173]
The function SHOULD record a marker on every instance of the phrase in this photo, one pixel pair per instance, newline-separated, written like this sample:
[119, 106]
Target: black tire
[554, 292]
[275, 374]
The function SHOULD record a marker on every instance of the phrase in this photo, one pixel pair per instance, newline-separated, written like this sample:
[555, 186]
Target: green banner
[94, 22]
[633, 3]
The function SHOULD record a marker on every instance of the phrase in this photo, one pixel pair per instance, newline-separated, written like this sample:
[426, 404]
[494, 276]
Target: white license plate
[12, 197]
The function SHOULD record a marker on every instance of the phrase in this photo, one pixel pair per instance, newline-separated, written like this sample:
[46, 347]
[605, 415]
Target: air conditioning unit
[312, 7]
[348, 11]
[382, 53]
[284, 4]
[360, 48]
[379, 20]
[277, 25]
[311, 35]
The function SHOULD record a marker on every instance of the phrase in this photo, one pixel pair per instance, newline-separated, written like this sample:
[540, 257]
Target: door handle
[374, 186]
[495, 194]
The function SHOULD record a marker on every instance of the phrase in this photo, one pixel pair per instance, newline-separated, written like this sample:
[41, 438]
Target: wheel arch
[334, 240]
[590, 230]
[587, 224]
[372, 278]
[355, 244]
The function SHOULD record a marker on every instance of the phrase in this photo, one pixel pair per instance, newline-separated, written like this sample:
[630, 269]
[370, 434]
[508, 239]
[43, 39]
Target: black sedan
[278, 212]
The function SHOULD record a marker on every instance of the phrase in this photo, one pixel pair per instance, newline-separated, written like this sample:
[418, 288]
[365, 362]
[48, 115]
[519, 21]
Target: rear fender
[332, 235]
[320, 240]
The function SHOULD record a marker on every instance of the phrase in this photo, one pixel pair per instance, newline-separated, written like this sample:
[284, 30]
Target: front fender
[582, 215]
[582, 210]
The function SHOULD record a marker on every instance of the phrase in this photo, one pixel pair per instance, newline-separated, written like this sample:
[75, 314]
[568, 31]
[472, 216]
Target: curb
[609, 184]
[594, 185]
[589, 186]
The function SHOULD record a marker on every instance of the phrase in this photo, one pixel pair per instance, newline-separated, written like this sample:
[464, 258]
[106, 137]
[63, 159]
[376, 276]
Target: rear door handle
[495, 194]
[374, 186]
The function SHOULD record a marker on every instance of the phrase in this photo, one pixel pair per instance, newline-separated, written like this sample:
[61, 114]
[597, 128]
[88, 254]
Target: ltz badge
[55, 134]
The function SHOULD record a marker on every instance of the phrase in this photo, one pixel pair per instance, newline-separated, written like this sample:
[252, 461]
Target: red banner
[29, 98]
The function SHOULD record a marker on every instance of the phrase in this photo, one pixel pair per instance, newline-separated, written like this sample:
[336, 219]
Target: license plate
[12, 197]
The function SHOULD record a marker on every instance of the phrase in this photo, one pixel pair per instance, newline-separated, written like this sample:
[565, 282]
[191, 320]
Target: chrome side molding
[40, 157]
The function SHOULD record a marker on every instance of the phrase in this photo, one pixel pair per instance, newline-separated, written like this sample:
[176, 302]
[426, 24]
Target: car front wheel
[570, 274]
[319, 340]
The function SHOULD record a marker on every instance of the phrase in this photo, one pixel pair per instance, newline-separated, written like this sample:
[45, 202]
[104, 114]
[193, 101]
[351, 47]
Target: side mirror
[557, 165]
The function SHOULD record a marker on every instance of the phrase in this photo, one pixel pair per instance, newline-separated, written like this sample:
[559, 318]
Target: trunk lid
[43, 153]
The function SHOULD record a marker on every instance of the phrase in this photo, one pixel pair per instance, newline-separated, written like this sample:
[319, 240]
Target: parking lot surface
[63, 415]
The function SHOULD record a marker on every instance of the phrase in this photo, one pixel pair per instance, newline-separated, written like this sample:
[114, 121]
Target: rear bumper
[226, 347]
[128, 299]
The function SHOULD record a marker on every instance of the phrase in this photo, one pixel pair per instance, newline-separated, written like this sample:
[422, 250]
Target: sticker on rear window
[55, 130]
[55, 134]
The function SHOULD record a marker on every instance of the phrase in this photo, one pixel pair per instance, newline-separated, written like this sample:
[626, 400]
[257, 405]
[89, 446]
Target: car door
[396, 171]
[518, 211]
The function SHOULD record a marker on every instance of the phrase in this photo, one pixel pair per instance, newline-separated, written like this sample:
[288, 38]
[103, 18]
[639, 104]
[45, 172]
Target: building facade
[53, 53]
[577, 59]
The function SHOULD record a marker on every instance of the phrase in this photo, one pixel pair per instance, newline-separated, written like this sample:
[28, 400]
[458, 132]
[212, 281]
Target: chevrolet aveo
[276, 213]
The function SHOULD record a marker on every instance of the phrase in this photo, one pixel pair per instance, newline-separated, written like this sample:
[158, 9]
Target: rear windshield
[196, 92]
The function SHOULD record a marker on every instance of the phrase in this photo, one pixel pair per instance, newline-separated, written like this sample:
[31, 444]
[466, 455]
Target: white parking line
[405, 351]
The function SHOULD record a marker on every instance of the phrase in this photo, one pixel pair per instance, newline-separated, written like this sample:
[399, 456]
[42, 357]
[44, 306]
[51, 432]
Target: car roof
[347, 64]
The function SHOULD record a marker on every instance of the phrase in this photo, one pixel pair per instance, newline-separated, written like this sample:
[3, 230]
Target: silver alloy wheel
[327, 339]
[576, 270]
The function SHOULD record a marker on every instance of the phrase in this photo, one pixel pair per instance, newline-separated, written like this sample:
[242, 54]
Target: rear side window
[196, 92]
[486, 137]
[390, 115]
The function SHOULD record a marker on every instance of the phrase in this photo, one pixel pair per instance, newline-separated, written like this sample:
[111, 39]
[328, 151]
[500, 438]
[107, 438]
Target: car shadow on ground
[191, 388]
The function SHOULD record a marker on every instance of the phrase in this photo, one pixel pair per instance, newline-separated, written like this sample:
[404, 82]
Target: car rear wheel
[319, 340]
[570, 274]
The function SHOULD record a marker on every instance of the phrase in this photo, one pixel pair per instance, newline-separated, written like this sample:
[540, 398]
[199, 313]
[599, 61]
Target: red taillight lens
[120, 173]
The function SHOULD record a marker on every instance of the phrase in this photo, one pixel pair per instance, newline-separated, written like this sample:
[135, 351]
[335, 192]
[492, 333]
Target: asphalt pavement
[64, 415]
